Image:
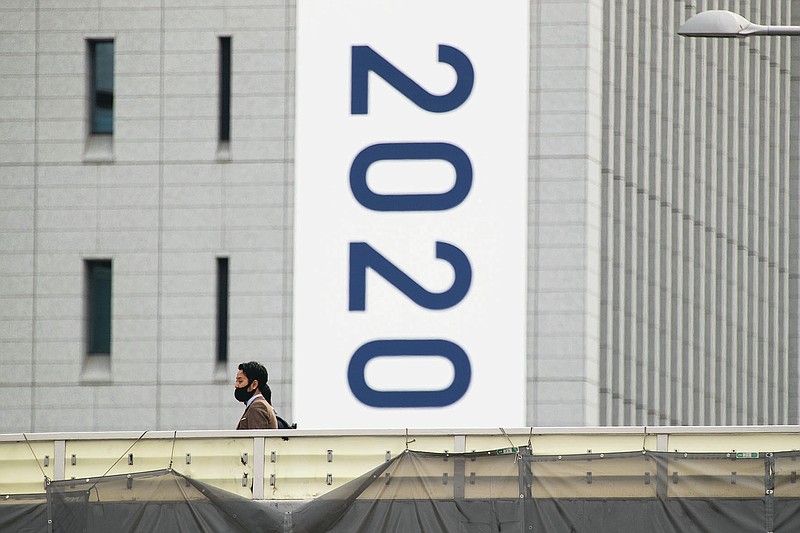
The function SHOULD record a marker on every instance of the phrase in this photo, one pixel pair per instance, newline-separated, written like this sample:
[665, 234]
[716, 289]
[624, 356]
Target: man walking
[251, 381]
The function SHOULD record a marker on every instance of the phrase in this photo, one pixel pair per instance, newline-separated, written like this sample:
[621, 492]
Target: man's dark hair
[267, 392]
[255, 371]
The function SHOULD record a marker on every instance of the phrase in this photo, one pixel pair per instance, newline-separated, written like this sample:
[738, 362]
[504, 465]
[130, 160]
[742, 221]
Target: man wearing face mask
[251, 380]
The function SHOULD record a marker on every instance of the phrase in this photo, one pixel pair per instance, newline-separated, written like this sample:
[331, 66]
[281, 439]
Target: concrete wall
[163, 200]
[564, 214]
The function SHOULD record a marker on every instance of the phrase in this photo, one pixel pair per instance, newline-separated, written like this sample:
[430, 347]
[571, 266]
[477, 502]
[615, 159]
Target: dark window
[224, 88]
[98, 282]
[101, 54]
[222, 309]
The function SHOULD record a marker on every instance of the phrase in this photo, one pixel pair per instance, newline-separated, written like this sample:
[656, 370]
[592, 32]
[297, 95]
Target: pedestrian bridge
[299, 465]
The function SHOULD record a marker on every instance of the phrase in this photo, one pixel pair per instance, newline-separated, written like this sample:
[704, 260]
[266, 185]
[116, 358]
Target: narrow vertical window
[98, 308]
[224, 89]
[101, 93]
[222, 309]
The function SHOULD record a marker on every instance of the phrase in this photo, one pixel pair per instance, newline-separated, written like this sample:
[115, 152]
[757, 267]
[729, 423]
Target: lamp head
[718, 23]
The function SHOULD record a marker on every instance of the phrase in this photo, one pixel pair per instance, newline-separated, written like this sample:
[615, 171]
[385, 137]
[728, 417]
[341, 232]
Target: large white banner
[411, 213]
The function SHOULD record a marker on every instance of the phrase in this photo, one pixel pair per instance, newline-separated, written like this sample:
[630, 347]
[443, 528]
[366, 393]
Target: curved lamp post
[719, 23]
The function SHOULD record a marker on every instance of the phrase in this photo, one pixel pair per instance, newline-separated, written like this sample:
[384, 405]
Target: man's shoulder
[262, 408]
[261, 403]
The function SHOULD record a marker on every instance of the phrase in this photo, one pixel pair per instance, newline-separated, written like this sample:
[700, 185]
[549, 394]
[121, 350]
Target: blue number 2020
[364, 256]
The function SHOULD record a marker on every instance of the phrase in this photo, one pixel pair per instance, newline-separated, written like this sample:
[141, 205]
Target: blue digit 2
[364, 256]
[366, 60]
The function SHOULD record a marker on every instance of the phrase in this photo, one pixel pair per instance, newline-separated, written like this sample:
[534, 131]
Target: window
[101, 93]
[224, 89]
[222, 309]
[98, 308]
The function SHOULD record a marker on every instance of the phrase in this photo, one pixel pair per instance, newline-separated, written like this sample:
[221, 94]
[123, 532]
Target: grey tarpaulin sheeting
[158, 501]
[591, 493]
[425, 492]
[496, 491]
[23, 513]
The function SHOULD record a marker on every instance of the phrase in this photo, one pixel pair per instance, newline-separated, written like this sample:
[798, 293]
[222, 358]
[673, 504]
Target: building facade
[147, 212]
[699, 229]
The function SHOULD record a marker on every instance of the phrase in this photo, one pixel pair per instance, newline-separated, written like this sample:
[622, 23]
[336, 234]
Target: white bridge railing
[304, 464]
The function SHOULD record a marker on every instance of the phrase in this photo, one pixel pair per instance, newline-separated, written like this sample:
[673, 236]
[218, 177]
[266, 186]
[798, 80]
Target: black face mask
[242, 394]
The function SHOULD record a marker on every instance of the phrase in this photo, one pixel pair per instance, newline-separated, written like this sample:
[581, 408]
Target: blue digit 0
[409, 398]
[411, 151]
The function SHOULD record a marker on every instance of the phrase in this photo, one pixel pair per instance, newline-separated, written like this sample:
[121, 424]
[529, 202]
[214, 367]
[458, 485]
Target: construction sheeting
[159, 501]
[497, 491]
[23, 513]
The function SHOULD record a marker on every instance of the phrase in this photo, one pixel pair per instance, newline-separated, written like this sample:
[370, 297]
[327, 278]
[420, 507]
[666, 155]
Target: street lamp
[720, 23]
